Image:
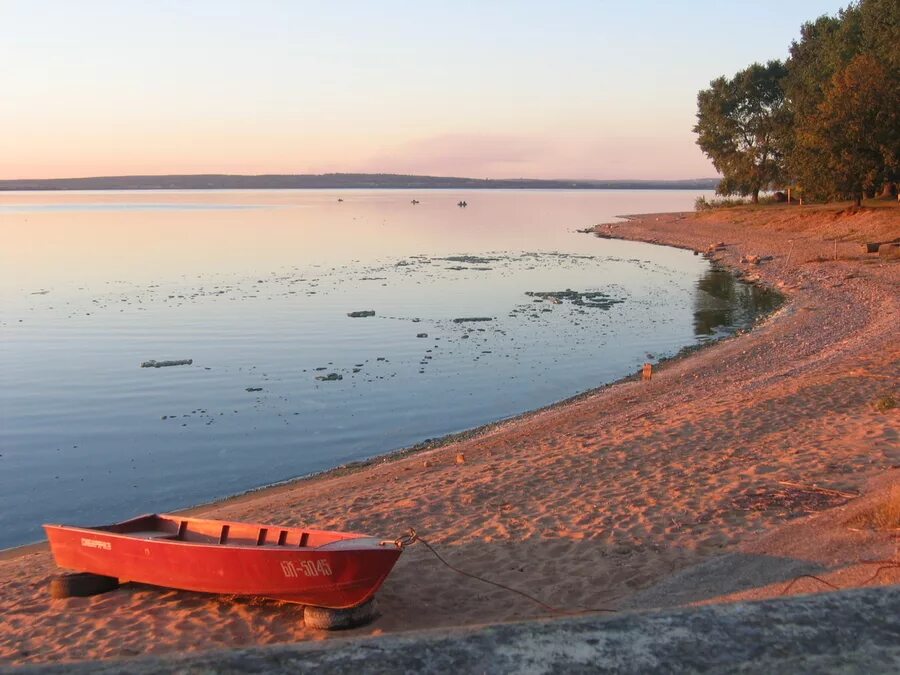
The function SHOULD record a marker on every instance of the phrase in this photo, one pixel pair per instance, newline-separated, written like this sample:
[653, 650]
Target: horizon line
[351, 173]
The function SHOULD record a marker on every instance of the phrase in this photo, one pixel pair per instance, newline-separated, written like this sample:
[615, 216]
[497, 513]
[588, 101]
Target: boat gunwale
[374, 544]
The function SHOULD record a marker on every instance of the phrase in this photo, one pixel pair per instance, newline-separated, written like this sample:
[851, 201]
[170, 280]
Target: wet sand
[732, 471]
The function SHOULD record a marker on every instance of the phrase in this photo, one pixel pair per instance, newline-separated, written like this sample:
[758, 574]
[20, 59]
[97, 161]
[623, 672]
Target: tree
[880, 36]
[880, 31]
[855, 130]
[826, 45]
[836, 140]
[740, 125]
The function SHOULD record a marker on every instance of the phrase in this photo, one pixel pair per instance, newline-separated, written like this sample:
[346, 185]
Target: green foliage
[856, 130]
[704, 204]
[701, 203]
[842, 91]
[880, 31]
[826, 45]
[739, 124]
[827, 122]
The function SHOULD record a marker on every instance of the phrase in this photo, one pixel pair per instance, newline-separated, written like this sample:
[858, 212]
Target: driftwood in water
[165, 364]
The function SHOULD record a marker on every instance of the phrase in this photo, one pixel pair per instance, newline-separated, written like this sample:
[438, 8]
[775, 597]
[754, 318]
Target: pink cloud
[565, 155]
[464, 154]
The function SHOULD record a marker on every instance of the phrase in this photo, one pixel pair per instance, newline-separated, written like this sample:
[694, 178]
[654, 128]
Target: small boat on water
[314, 567]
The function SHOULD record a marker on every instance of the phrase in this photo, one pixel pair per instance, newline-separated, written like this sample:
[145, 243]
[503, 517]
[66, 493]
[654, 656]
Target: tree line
[825, 122]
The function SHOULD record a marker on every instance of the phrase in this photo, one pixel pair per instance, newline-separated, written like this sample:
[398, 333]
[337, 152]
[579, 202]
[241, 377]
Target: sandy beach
[733, 471]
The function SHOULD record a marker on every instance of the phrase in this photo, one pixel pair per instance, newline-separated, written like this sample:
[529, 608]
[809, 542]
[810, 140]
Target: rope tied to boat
[411, 537]
[405, 540]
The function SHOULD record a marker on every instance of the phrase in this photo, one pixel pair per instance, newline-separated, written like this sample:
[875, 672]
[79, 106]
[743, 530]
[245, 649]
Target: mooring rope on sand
[412, 537]
[883, 565]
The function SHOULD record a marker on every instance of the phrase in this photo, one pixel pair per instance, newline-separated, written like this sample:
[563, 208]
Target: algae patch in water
[596, 299]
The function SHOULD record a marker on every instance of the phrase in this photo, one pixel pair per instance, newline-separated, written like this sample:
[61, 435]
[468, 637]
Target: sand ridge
[600, 502]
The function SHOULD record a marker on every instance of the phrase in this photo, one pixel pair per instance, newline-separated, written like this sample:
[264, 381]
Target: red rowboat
[312, 567]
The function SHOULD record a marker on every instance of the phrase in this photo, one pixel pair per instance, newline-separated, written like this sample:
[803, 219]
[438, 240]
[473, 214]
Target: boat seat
[151, 534]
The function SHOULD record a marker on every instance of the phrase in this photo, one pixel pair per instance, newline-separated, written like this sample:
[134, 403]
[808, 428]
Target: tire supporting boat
[324, 618]
[81, 585]
[85, 584]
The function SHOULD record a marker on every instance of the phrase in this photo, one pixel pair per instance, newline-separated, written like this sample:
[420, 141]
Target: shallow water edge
[781, 304]
[425, 447]
[704, 305]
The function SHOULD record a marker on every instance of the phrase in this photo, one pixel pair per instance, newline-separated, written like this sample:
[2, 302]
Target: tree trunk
[756, 196]
[858, 200]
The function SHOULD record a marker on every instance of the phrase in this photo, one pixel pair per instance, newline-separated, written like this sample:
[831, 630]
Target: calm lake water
[256, 287]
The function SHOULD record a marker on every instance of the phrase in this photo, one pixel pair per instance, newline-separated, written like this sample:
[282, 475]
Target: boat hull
[342, 577]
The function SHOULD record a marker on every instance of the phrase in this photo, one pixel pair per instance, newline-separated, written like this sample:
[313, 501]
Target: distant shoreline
[351, 181]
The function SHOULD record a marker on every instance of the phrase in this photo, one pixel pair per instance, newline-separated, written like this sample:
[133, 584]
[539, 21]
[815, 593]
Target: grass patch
[885, 515]
[704, 204]
[885, 403]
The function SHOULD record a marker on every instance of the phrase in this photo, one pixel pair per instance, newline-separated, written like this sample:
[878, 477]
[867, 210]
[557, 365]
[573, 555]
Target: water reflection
[256, 287]
[723, 302]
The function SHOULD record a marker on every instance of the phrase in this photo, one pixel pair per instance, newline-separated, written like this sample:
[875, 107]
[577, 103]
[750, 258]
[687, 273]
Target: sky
[486, 89]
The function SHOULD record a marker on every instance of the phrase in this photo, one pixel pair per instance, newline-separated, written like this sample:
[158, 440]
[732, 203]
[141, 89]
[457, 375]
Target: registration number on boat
[307, 568]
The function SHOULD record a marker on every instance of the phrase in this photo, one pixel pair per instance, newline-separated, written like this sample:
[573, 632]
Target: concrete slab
[854, 631]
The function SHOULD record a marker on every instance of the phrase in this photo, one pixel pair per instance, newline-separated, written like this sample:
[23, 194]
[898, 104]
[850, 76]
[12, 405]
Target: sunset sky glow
[483, 89]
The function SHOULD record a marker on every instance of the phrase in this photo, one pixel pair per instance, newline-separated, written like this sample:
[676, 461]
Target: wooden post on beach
[647, 373]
